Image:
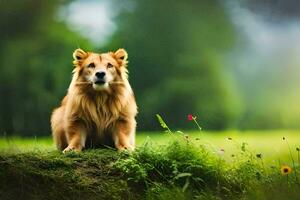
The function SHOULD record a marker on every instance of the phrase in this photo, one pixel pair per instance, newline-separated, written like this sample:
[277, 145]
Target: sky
[94, 19]
[91, 18]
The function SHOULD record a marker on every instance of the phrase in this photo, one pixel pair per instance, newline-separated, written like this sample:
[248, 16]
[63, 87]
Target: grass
[194, 165]
[52, 175]
[268, 143]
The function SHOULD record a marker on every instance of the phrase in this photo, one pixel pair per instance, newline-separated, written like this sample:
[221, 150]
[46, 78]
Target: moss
[51, 175]
[180, 170]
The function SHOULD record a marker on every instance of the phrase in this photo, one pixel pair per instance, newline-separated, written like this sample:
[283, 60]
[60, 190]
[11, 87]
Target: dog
[99, 108]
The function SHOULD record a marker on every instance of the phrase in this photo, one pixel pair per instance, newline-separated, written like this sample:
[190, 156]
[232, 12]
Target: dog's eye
[91, 65]
[109, 65]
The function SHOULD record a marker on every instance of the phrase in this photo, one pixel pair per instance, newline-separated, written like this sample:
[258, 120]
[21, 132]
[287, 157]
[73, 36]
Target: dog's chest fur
[99, 112]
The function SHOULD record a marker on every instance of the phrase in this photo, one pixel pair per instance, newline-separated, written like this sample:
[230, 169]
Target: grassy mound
[52, 175]
[180, 170]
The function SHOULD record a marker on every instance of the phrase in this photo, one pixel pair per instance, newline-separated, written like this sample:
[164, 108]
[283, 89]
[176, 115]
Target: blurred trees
[176, 61]
[36, 64]
[177, 51]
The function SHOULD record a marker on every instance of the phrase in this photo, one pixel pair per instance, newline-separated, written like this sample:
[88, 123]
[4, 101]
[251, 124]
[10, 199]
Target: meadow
[273, 145]
[177, 164]
[233, 63]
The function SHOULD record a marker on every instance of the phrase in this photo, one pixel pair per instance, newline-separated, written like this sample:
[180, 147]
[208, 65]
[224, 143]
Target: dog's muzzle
[99, 78]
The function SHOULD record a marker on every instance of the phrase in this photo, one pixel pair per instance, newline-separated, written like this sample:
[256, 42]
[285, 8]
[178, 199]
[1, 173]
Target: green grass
[164, 166]
[268, 143]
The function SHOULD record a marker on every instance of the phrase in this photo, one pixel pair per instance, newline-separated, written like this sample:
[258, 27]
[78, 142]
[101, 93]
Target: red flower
[190, 117]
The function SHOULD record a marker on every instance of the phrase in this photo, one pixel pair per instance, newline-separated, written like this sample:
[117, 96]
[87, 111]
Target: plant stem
[298, 158]
[293, 161]
[263, 166]
[199, 127]
[169, 131]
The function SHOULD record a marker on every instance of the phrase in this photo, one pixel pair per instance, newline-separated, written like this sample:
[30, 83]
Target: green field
[190, 165]
[268, 143]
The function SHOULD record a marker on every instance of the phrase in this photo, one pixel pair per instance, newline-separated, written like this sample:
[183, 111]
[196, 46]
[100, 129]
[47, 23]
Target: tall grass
[191, 171]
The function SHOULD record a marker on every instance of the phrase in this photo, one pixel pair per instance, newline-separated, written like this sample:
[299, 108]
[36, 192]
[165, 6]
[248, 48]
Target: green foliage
[52, 175]
[163, 123]
[36, 65]
[191, 171]
[178, 56]
[177, 61]
[178, 165]
[184, 75]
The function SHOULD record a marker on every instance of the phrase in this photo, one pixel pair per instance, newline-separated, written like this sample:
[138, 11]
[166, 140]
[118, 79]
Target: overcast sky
[92, 18]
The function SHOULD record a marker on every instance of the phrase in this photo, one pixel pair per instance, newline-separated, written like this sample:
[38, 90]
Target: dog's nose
[100, 75]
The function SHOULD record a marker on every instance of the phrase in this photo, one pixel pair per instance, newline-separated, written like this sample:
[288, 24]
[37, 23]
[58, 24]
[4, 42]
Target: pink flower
[190, 117]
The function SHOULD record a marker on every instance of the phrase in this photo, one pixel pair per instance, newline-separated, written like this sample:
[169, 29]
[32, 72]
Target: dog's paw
[71, 149]
[125, 148]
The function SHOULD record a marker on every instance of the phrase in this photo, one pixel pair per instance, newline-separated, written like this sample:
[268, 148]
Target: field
[199, 165]
[268, 143]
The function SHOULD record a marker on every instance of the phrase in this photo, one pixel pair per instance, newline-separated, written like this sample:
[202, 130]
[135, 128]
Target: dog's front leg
[124, 135]
[76, 136]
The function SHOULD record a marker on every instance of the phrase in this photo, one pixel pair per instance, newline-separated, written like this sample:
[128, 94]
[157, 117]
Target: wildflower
[190, 117]
[258, 155]
[283, 138]
[298, 149]
[229, 138]
[285, 170]
[197, 138]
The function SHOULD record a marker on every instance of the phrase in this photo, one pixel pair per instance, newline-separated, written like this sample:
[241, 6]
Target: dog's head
[100, 71]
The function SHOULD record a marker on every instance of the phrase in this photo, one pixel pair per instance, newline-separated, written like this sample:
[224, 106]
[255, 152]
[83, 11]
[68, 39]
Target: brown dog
[99, 108]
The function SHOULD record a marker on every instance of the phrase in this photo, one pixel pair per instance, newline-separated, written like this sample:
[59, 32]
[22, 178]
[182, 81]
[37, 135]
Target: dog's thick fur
[91, 115]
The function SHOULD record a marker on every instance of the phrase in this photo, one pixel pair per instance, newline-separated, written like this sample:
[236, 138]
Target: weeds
[179, 165]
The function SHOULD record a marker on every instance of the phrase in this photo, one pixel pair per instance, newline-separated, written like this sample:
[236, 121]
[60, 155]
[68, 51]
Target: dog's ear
[121, 56]
[79, 55]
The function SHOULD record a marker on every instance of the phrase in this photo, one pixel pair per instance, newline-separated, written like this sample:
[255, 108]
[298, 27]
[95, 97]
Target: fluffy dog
[99, 108]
